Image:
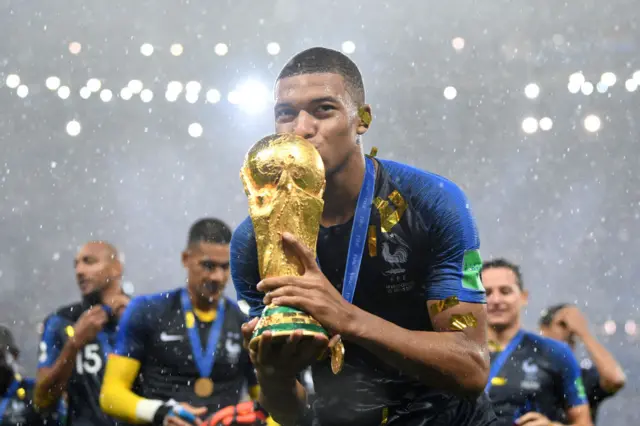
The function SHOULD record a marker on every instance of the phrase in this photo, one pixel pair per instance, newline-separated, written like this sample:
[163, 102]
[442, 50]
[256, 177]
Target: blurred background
[129, 120]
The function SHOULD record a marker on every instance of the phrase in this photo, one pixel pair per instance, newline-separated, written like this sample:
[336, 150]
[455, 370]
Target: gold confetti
[460, 322]
[365, 116]
[70, 331]
[373, 241]
[498, 381]
[443, 305]
[494, 346]
[388, 216]
[21, 393]
[374, 151]
[385, 416]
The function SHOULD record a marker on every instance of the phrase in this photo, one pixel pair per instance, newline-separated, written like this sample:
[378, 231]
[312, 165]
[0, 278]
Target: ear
[117, 268]
[524, 296]
[185, 257]
[364, 117]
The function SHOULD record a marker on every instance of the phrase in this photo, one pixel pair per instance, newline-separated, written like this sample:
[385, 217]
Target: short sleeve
[52, 341]
[573, 391]
[244, 267]
[455, 257]
[133, 329]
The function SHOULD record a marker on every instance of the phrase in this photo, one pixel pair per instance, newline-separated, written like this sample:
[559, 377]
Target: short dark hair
[322, 60]
[547, 314]
[209, 230]
[504, 263]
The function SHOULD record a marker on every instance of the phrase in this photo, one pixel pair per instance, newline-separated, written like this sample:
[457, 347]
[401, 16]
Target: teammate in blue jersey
[78, 337]
[185, 346]
[534, 381]
[604, 378]
[16, 391]
[414, 318]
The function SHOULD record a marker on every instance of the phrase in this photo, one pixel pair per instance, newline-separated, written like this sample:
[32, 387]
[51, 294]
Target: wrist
[354, 325]
[154, 411]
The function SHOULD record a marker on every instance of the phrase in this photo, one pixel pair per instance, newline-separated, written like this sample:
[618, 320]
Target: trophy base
[283, 321]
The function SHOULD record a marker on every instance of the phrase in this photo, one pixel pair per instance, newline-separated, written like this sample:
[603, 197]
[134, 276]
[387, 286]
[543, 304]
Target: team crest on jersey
[530, 370]
[395, 252]
[233, 347]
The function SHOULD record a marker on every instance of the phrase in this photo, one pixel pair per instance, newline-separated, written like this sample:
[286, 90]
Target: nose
[493, 298]
[217, 275]
[305, 125]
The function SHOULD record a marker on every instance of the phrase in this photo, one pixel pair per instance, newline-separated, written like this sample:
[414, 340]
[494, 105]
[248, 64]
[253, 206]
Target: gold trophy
[284, 179]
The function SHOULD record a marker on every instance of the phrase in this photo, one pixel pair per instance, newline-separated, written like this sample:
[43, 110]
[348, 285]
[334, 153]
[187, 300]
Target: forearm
[450, 359]
[285, 400]
[612, 377]
[51, 385]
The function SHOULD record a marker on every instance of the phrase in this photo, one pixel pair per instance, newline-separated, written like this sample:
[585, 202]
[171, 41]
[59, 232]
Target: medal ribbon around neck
[204, 360]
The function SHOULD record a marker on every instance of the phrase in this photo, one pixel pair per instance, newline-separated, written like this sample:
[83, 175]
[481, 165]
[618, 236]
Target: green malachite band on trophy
[280, 310]
[277, 328]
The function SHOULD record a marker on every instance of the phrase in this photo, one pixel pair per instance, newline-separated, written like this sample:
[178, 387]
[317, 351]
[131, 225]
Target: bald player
[78, 337]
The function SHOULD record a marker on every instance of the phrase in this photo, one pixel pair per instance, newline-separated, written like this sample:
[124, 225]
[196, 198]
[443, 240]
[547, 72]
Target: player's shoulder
[243, 234]
[234, 310]
[155, 302]
[557, 351]
[427, 191]
[64, 315]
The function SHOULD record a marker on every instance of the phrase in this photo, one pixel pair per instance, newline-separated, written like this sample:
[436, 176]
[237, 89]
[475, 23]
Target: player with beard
[78, 337]
[401, 246]
[16, 392]
[534, 381]
[605, 378]
[185, 345]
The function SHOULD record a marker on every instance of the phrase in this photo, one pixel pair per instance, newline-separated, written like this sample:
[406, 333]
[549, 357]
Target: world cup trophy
[284, 179]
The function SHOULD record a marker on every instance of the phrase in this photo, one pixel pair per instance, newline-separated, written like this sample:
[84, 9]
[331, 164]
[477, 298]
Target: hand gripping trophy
[284, 179]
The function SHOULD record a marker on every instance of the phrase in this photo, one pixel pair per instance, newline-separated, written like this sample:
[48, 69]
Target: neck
[112, 290]
[502, 335]
[203, 304]
[343, 188]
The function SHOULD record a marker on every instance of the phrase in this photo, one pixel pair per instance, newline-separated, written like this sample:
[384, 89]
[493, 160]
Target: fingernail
[287, 236]
[259, 286]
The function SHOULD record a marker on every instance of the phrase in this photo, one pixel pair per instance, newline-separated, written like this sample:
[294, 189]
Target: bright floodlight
[126, 94]
[530, 125]
[22, 91]
[221, 49]
[601, 87]
[193, 86]
[75, 47]
[630, 327]
[171, 96]
[135, 86]
[457, 43]
[213, 96]
[577, 78]
[106, 95]
[610, 327]
[587, 88]
[252, 96]
[574, 87]
[146, 95]
[546, 124]
[73, 128]
[273, 48]
[174, 87]
[608, 78]
[636, 76]
[631, 85]
[85, 93]
[176, 49]
[64, 92]
[13, 81]
[146, 49]
[191, 97]
[195, 130]
[348, 47]
[531, 90]
[94, 84]
[450, 92]
[52, 83]
[592, 123]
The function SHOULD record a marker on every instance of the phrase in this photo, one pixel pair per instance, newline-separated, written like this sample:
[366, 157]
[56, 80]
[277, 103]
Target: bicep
[580, 414]
[454, 316]
[244, 267]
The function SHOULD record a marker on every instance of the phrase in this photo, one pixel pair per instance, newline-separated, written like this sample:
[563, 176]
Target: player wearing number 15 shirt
[77, 338]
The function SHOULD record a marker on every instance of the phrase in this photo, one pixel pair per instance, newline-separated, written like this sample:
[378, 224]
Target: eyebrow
[312, 101]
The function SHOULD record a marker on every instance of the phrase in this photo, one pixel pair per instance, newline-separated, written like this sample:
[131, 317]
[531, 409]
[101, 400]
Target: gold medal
[203, 387]
[337, 357]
